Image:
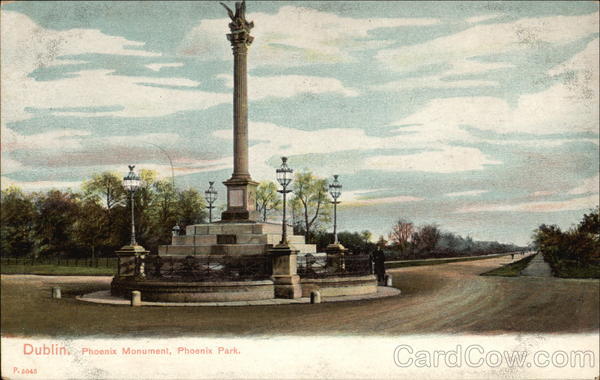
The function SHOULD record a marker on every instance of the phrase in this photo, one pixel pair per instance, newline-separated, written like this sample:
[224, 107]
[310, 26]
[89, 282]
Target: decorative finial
[131, 167]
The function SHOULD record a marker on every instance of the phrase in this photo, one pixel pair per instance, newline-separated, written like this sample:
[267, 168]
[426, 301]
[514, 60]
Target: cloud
[550, 206]
[489, 39]
[361, 197]
[119, 95]
[432, 81]
[272, 140]
[481, 18]
[39, 185]
[54, 139]
[285, 86]
[552, 111]
[567, 107]
[160, 66]
[589, 185]
[448, 160]
[466, 193]
[295, 36]
[543, 193]
[27, 46]
[376, 201]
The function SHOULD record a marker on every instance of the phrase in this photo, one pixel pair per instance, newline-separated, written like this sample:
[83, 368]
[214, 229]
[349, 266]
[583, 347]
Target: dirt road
[448, 298]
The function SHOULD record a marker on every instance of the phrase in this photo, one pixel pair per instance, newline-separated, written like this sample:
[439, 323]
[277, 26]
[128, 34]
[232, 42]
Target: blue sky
[479, 116]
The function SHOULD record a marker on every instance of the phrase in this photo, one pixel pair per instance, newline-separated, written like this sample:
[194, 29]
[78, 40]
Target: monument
[238, 258]
[241, 189]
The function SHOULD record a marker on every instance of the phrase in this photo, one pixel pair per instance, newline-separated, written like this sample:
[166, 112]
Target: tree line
[569, 251]
[94, 221]
[407, 241]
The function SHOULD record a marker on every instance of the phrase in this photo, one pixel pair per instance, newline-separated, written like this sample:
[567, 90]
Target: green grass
[415, 263]
[571, 269]
[56, 270]
[510, 270]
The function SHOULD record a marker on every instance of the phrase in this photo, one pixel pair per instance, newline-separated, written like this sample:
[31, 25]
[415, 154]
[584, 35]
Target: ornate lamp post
[131, 183]
[211, 197]
[335, 190]
[284, 177]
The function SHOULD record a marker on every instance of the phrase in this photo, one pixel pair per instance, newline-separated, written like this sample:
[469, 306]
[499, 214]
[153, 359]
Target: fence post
[285, 272]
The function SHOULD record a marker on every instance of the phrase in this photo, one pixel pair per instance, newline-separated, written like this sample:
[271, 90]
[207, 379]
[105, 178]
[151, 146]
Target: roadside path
[537, 268]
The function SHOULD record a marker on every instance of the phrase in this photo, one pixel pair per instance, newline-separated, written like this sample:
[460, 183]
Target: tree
[267, 198]
[426, 239]
[57, 215]
[313, 200]
[191, 207]
[401, 234]
[106, 188]
[591, 222]
[356, 242]
[91, 229]
[16, 222]
[163, 211]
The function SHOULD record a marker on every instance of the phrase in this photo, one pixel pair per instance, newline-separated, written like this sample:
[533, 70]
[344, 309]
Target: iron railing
[310, 266]
[206, 268]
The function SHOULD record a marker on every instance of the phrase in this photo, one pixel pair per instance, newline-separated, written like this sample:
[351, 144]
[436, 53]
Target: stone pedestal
[241, 201]
[129, 263]
[335, 257]
[285, 277]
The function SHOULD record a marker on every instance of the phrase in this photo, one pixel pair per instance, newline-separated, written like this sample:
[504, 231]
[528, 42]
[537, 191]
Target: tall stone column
[241, 189]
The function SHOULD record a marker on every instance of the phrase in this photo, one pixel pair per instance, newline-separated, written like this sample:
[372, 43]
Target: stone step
[227, 249]
[240, 239]
[217, 249]
[233, 228]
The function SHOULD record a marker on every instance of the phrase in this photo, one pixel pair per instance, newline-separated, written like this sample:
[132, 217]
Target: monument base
[241, 201]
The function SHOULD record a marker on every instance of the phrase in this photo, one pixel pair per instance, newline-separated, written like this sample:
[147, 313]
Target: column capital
[240, 38]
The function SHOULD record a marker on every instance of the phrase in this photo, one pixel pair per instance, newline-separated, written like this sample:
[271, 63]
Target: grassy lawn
[571, 269]
[415, 263]
[512, 269]
[56, 270]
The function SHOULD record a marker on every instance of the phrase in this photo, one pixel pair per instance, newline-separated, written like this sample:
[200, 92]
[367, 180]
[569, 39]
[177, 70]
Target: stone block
[267, 228]
[239, 249]
[388, 280]
[287, 286]
[136, 298]
[237, 229]
[252, 239]
[315, 296]
[201, 229]
[215, 229]
[56, 292]
[203, 239]
[182, 240]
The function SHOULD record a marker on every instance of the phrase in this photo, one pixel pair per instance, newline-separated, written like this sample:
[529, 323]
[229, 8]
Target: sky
[481, 117]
